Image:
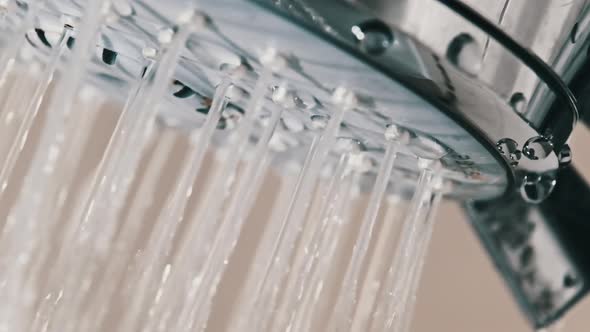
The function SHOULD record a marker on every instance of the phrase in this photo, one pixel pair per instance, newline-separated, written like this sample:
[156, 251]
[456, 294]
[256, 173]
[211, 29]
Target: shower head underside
[479, 138]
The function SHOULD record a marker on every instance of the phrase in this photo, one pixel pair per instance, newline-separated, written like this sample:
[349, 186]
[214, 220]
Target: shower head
[396, 80]
[487, 93]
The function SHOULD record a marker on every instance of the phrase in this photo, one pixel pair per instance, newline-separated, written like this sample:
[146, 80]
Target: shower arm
[506, 227]
[541, 251]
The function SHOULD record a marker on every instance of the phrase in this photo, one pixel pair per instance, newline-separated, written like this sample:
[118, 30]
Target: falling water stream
[146, 238]
[28, 115]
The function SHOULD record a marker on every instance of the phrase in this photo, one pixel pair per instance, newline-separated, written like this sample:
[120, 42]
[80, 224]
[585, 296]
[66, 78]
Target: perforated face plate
[237, 34]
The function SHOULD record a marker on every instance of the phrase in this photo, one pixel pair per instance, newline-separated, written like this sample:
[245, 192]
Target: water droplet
[239, 71]
[574, 33]
[279, 94]
[348, 145]
[237, 94]
[214, 56]
[165, 35]
[344, 97]
[283, 97]
[304, 100]
[149, 52]
[280, 142]
[515, 158]
[228, 68]
[123, 8]
[569, 281]
[231, 116]
[273, 60]
[464, 52]
[69, 21]
[518, 102]
[526, 256]
[537, 148]
[319, 121]
[362, 163]
[424, 163]
[395, 132]
[292, 123]
[509, 148]
[427, 148]
[537, 187]
[373, 36]
[565, 156]
[190, 15]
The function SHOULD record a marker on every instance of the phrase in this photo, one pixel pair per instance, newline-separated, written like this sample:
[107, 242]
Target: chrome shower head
[430, 84]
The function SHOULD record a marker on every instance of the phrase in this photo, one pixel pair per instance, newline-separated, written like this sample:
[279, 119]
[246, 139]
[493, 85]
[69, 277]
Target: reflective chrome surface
[554, 30]
[540, 249]
[454, 72]
[404, 83]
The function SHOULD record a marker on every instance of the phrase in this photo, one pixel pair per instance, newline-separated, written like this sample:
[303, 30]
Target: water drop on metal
[536, 188]
[304, 100]
[574, 33]
[292, 124]
[565, 156]
[123, 8]
[464, 52]
[426, 148]
[319, 121]
[518, 102]
[349, 145]
[509, 148]
[538, 147]
[165, 35]
[397, 133]
[373, 36]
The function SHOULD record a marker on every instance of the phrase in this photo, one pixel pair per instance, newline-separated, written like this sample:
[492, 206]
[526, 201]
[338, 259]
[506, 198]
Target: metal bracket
[541, 250]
